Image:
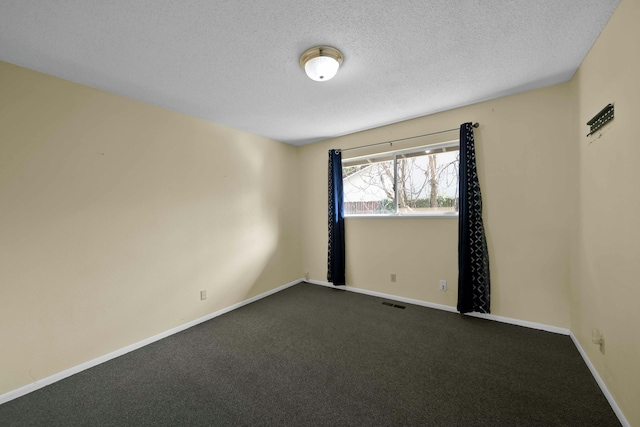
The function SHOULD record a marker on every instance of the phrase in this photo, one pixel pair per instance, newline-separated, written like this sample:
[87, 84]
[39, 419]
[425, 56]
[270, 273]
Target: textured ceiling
[236, 62]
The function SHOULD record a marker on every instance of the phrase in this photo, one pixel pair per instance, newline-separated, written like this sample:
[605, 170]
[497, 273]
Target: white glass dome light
[321, 68]
[321, 63]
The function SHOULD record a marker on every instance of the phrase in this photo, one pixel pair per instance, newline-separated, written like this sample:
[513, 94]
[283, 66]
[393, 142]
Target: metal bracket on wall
[600, 119]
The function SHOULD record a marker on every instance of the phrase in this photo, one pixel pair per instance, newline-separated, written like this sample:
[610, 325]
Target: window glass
[368, 188]
[416, 182]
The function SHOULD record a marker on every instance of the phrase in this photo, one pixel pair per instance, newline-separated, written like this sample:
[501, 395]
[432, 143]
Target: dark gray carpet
[315, 356]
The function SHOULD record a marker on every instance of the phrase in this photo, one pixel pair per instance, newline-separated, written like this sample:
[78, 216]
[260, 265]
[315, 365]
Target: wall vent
[402, 307]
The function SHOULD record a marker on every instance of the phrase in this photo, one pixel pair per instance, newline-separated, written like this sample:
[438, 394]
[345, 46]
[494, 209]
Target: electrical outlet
[203, 295]
[393, 277]
[443, 285]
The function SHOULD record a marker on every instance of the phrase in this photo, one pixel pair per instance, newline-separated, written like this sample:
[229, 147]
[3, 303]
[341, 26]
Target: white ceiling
[235, 62]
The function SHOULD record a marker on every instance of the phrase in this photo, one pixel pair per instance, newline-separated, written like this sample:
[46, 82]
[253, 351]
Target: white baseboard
[38, 384]
[603, 387]
[381, 295]
[14, 394]
[526, 324]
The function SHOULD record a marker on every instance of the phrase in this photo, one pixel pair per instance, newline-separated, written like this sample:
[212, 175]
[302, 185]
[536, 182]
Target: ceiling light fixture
[321, 63]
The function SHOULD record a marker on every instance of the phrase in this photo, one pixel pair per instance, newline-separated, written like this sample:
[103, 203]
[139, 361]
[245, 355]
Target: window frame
[394, 155]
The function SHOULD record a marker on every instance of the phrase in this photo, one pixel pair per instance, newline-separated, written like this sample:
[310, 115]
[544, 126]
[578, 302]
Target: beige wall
[115, 214]
[606, 251]
[525, 148]
[561, 210]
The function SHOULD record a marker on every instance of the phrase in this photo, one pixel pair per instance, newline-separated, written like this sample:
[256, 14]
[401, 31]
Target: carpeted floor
[316, 356]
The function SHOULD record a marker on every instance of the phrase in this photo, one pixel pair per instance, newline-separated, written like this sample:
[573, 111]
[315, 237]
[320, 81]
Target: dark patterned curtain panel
[473, 257]
[336, 260]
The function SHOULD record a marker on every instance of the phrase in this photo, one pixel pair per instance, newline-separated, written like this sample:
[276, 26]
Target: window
[419, 181]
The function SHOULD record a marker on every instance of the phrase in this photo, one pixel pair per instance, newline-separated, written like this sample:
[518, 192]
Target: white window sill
[440, 215]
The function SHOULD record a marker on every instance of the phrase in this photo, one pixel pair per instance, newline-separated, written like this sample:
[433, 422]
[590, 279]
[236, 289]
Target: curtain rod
[475, 125]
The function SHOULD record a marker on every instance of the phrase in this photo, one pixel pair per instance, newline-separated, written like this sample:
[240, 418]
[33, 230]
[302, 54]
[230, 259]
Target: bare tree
[419, 179]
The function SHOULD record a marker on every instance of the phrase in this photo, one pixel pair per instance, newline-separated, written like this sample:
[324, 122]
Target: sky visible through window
[422, 183]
